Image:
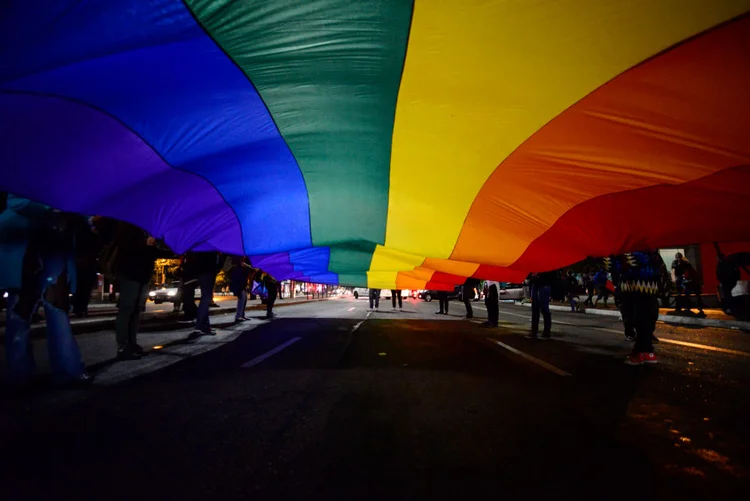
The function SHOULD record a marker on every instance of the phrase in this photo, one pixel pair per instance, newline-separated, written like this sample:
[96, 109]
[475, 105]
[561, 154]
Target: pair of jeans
[644, 314]
[241, 304]
[133, 296]
[206, 282]
[540, 295]
[396, 296]
[443, 301]
[45, 281]
[492, 302]
[374, 296]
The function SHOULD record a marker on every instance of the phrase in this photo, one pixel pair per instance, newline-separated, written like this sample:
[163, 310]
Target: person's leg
[64, 356]
[135, 319]
[371, 297]
[393, 298]
[400, 300]
[726, 296]
[493, 310]
[189, 309]
[272, 294]
[206, 283]
[544, 295]
[22, 304]
[535, 310]
[447, 300]
[467, 305]
[697, 290]
[645, 321]
[129, 292]
[626, 311]
[377, 299]
[241, 304]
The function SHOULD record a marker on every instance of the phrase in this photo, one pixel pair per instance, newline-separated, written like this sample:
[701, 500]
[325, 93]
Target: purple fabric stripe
[41, 143]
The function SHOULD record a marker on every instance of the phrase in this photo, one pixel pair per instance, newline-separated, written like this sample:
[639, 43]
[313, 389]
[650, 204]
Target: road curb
[669, 319]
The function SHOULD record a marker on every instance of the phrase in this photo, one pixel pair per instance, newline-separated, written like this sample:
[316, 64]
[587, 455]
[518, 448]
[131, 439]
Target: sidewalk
[103, 316]
[714, 317]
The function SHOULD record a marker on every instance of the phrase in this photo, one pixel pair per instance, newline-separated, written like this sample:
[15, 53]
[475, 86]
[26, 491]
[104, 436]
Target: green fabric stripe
[329, 72]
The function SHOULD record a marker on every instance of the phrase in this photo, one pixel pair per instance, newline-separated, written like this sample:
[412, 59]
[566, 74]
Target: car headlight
[5, 295]
[151, 294]
[171, 293]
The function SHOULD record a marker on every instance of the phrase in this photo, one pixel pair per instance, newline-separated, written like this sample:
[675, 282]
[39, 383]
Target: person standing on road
[396, 295]
[571, 290]
[239, 273]
[639, 279]
[541, 287]
[600, 280]
[492, 302]
[588, 281]
[728, 274]
[678, 276]
[134, 267]
[691, 284]
[374, 296]
[468, 295]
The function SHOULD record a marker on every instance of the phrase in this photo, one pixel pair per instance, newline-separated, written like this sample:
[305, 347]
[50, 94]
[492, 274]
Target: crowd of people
[50, 259]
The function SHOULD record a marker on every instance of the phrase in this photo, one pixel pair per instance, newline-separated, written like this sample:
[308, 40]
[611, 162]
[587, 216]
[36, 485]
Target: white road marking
[271, 353]
[687, 344]
[352, 308]
[361, 322]
[535, 360]
[705, 347]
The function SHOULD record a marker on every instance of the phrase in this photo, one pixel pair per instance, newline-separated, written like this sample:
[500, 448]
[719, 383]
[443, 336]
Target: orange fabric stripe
[675, 118]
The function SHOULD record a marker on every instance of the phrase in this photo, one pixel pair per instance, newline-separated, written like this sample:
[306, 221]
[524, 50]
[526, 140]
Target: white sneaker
[393, 309]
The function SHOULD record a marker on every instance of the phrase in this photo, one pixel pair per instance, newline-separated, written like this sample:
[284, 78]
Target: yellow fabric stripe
[482, 76]
[385, 265]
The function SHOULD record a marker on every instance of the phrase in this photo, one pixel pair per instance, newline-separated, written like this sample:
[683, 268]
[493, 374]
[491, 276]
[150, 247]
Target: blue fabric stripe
[149, 64]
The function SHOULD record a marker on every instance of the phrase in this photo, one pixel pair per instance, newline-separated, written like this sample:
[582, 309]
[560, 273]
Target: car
[360, 292]
[511, 291]
[429, 295]
[169, 293]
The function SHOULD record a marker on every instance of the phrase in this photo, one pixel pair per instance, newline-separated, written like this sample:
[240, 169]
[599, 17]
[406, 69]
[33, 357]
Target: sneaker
[546, 337]
[186, 321]
[649, 358]
[634, 359]
[439, 313]
[207, 331]
[701, 314]
[630, 338]
[531, 336]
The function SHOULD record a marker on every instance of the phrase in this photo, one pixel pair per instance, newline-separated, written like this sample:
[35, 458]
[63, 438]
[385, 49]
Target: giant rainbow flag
[389, 143]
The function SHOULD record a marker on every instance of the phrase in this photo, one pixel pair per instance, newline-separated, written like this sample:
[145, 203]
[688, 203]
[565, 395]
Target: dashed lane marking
[270, 353]
[540, 363]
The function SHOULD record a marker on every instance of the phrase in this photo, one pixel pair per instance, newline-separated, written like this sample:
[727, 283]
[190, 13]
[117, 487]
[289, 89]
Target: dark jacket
[135, 259]
[239, 274]
[201, 263]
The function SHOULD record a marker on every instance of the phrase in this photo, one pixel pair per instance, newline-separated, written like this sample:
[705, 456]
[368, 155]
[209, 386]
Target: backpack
[108, 261]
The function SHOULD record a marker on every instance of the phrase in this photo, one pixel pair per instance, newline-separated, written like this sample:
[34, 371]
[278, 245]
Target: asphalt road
[328, 402]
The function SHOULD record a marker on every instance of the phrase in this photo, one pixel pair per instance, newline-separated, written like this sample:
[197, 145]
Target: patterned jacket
[638, 272]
